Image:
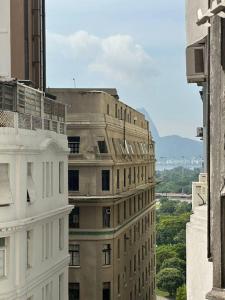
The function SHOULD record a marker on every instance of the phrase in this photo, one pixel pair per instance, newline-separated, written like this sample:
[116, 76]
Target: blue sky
[136, 46]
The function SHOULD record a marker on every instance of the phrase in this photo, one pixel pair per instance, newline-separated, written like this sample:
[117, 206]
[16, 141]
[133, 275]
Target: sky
[135, 46]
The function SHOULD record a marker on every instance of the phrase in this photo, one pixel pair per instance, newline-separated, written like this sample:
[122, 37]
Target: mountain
[173, 146]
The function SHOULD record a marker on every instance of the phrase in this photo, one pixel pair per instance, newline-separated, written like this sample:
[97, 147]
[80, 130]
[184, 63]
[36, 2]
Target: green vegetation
[177, 180]
[172, 217]
[181, 293]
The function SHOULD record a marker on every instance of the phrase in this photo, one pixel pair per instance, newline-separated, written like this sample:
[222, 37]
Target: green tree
[181, 293]
[167, 206]
[162, 253]
[175, 262]
[180, 250]
[169, 280]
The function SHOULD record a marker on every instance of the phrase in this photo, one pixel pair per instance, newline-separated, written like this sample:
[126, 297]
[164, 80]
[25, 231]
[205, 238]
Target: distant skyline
[136, 47]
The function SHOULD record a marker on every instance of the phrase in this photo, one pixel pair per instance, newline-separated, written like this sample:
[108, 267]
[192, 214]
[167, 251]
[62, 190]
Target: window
[74, 251]
[125, 210]
[61, 233]
[118, 248]
[106, 291]
[125, 242]
[74, 291]
[74, 144]
[61, 177]
[2, 257]
[74, 218]
[118, 178]
[118, 284]
[30, 183]
[61, 287]
[107, 109]
[105, 180]
[102, 146]
[116, 110]
[73, 180]
[48, 178]
[29, 249]
[134, 175]
[124, 177]
[135, 261]
[5, 190]
[106, 254]
[130, 207]
[106, 212]
[118, 213]
[129, 176]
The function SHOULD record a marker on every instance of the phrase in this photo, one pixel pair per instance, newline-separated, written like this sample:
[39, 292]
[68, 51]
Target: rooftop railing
[27, 108]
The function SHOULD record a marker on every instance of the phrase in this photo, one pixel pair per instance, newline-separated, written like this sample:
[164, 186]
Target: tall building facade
[206, 67]
[111, 183]
[22, 41]
[33, 195]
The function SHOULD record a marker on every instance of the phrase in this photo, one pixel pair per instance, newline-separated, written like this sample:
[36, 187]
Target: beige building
[22, 40]
[111, 183]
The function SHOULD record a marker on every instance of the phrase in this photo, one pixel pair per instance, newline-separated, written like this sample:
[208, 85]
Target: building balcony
[27, 108]
[199, 191]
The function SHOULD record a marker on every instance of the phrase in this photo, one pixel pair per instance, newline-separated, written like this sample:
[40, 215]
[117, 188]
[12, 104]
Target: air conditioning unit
[199, 132]
[217, 6]
[196, 64]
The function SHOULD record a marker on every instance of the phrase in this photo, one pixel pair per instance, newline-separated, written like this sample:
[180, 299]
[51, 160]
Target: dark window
[116, 111]
[124, 177]
[199, 60]
[106, 254]
[73, 180]
[74, 291]
[106, 291]
[102, 147]
[74, 218]
[118, 178]
[74, 144]
[107, 109]
[124, 210]
[74, 251]
[106, 216]
[105, 180]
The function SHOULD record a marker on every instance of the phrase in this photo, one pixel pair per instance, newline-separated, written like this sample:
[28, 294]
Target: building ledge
[216, 294]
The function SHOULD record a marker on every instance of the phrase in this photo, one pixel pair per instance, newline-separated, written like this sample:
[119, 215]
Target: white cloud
[117, 57]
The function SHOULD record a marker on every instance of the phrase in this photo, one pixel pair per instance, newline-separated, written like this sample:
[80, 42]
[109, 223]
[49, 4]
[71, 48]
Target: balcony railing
[27, 108]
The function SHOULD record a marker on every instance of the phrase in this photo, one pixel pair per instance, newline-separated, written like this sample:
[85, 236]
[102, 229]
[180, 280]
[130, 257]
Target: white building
[33, 196]
[199, 269]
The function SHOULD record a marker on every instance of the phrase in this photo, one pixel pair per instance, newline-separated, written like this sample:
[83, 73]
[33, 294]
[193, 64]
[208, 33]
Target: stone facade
[111, 183]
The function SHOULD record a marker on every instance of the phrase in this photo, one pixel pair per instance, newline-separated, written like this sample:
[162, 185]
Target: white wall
[5, 49]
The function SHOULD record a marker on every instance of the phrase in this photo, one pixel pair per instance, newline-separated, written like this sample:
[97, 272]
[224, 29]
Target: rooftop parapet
[27, 108]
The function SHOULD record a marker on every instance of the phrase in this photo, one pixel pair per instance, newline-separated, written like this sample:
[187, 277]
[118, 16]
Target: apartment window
[106, 291]
[74, 144]
[73, 180]
[130, 236]
[29, 249]
[134, 175]
[2, 257]
[124, 177]
[74, 291]
[118, 284]
[135, 206]
[105, 180]
[125, 242]
[74, 218]
[118, 178]
[129, 176]
[142, 173]
[107, 109]
[118, 248]
[135, 262]
[130, 269]
[106, 254]
[61, 233]
[61, 287]
[125, 210]
[130, 207]
[106, 212]
[102, 147]
[116, 111]
[30, 183]
[138, 175]
[5, 190]
[61, 177]
[74, 251]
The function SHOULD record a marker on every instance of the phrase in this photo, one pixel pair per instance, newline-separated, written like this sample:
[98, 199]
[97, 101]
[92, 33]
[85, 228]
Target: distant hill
[173, 146]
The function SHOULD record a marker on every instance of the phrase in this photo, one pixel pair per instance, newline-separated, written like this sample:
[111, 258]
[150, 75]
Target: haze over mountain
[173, 146]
